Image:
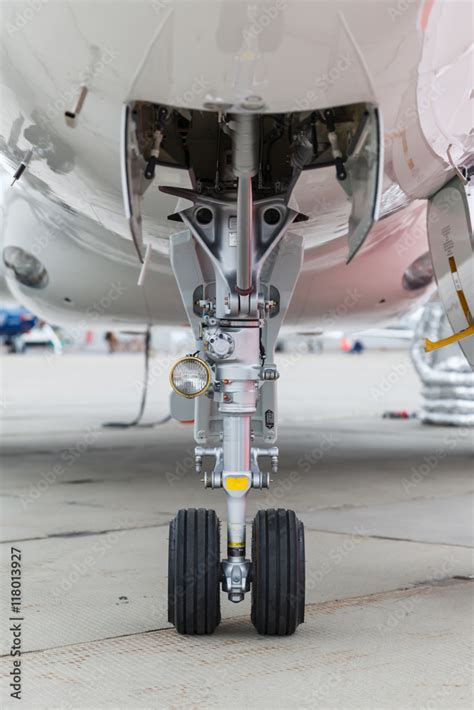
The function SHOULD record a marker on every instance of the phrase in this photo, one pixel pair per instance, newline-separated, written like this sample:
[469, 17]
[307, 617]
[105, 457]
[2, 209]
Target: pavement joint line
[387, 537]
[85, 533]
[92, 533]
[329, 605]
[349, 507]
[90, 449]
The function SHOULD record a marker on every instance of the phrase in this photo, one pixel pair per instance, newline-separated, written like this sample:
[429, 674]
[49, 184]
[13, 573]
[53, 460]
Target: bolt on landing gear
[236, 269]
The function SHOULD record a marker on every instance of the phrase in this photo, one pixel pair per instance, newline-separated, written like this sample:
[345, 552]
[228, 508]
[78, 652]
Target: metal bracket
[259, 479]
[214, 479]
[213, 223]
[236, 578]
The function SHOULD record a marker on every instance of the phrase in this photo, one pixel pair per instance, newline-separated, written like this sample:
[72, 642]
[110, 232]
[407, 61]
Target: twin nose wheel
[278, 572]
[194, 572]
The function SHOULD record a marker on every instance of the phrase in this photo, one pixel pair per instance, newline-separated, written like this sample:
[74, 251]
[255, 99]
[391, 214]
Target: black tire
[278, 572]
[194, 572]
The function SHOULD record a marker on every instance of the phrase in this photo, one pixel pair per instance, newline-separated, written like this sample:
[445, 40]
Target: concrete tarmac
[387, 506]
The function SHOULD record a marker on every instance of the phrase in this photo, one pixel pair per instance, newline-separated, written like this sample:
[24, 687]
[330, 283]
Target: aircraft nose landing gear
[236, 269]
[276, 573]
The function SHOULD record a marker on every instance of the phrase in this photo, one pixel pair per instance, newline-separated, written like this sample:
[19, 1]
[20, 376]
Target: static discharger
[22, 167]
[71, 116]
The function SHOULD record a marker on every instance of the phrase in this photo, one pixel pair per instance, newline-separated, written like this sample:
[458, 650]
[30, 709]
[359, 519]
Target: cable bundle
[448, 382]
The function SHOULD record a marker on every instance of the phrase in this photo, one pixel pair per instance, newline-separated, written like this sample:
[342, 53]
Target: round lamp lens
[190, 377]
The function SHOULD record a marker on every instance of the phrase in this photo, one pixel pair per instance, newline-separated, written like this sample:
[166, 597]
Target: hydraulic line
[136, 422]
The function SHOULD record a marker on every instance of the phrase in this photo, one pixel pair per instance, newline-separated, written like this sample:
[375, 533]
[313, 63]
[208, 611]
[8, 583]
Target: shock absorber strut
[239, 389]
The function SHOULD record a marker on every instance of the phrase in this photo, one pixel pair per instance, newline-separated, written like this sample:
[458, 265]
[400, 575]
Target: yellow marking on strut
[459, 290]
[430, 345]
[236, 483]
[235, 544]
[466, 332]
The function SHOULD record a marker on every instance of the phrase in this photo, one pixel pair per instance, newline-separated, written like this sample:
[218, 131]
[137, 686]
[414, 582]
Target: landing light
[190, 376]
[28, 270]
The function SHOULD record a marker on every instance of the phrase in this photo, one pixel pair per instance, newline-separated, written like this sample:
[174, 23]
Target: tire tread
[278, 572]
[194, 571]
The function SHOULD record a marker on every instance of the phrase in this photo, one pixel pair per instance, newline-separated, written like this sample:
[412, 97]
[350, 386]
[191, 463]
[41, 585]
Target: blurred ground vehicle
[15, 322]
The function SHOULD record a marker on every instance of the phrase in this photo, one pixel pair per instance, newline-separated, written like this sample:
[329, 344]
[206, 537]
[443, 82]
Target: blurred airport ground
[177, 340]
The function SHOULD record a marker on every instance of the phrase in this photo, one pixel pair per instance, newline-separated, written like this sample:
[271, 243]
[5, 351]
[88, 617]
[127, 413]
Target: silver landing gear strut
[236, 268]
